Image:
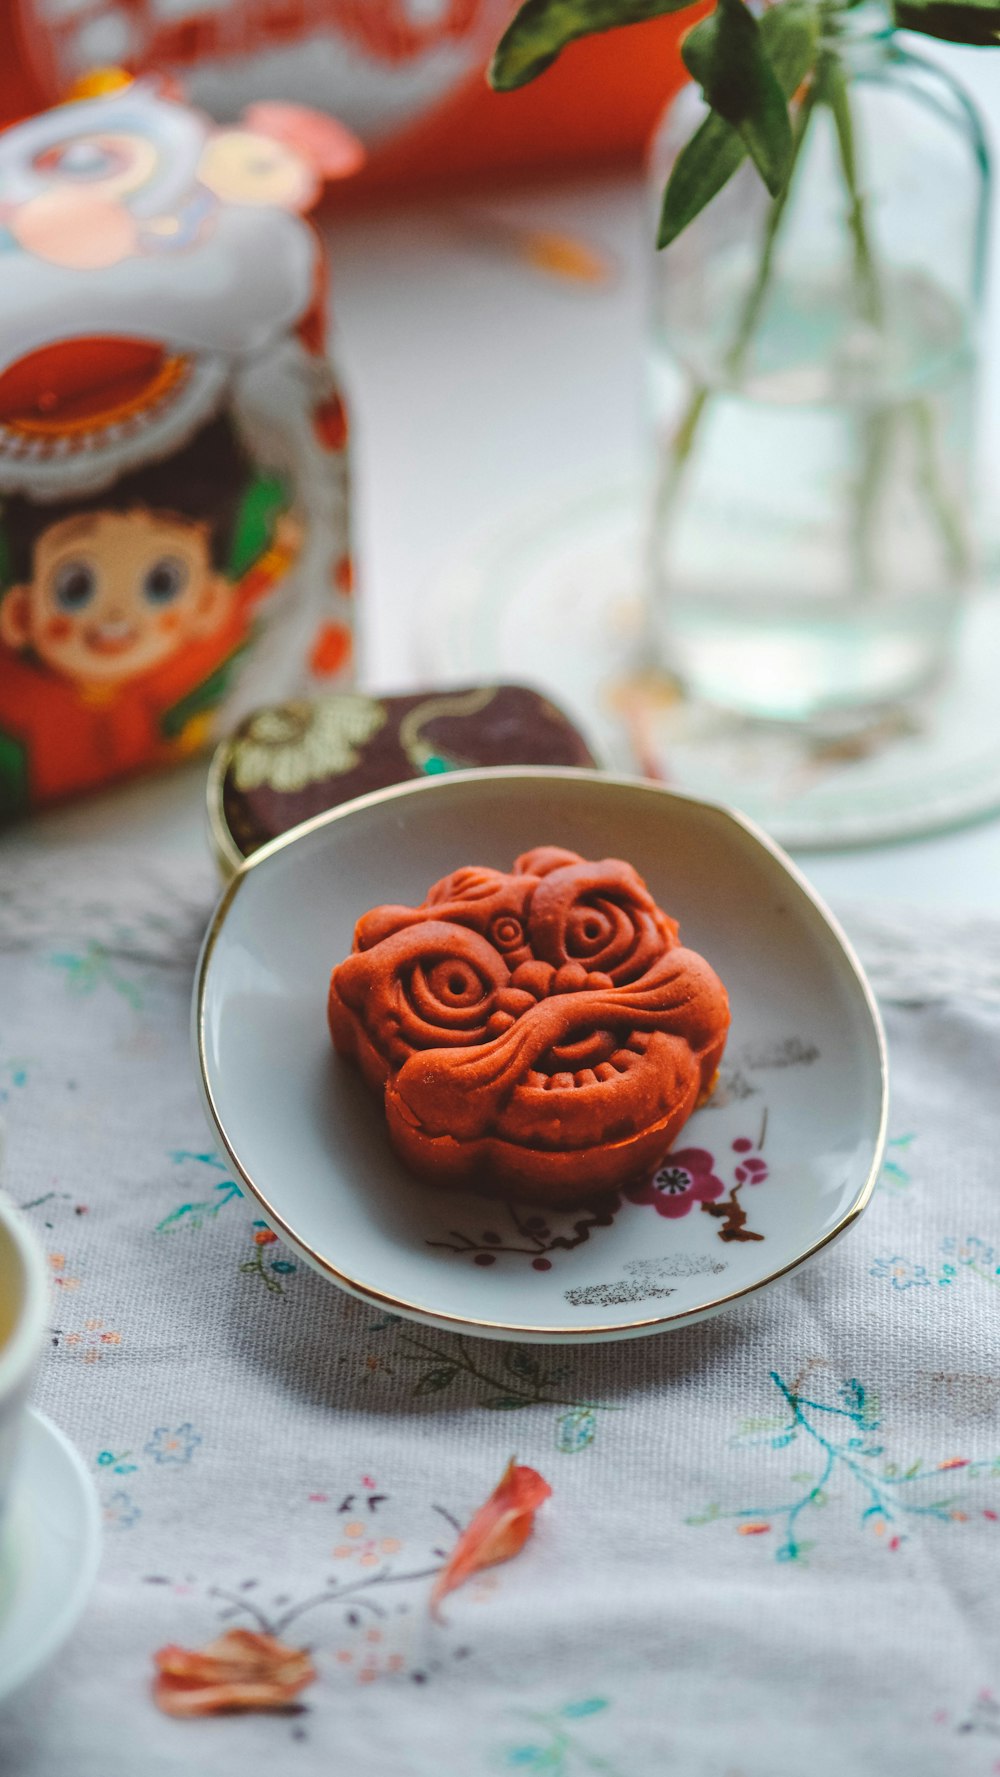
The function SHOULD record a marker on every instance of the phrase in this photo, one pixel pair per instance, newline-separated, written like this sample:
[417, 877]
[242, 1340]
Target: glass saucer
[553, 599]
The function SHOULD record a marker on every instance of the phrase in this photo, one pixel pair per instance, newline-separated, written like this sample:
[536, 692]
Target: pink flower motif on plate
[752, 1170]
[684, 1179]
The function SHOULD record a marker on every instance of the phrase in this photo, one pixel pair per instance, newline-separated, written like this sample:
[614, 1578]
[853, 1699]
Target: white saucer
[798, 1118]
[48, 1553]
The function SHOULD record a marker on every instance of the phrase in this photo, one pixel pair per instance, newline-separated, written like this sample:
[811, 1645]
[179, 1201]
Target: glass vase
[811, 375]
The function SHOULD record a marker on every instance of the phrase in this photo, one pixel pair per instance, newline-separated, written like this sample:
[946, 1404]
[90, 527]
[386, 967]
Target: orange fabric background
[597, 104]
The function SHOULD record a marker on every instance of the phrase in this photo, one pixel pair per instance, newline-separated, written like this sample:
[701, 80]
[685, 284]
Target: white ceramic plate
[48, 1554]
[787, 1150]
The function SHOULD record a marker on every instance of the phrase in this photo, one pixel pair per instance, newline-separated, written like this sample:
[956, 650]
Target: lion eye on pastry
[602, 916]
[450, 994]
[426, 985]
[606, 934]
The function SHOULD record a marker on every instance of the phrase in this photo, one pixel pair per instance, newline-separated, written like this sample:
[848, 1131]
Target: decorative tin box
[173, 468]
[290, 761]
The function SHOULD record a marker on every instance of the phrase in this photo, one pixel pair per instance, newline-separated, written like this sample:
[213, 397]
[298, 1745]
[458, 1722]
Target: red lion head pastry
[539, 1034]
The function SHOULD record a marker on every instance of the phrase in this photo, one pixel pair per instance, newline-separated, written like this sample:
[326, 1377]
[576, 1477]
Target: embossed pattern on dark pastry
[540, 1034]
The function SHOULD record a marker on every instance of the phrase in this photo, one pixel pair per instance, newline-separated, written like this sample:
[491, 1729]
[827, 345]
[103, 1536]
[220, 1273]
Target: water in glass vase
[809, 535]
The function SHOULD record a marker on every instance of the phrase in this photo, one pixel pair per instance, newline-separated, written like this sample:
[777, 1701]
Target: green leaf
[541, 29]
[504, 1403]
[958, 21]
[703, 166]
[708, 1516]
[726, 55]
[436, 1380]
[789, 34]
[802, 1549]
[169, 1223]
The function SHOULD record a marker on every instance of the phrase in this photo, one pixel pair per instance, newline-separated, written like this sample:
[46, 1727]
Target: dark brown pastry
[540, 1034]
[290, 761]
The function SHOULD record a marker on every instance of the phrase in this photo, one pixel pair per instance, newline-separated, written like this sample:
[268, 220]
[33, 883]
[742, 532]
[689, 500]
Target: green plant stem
[882, 423]
[879, 425]
[750, 316]
[952, 531]
[833, 89]
[502, 1383]
[669, 482]
[686, 435]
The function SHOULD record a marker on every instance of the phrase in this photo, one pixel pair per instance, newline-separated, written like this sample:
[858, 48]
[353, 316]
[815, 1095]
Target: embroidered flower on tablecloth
[369, 1656]
[839, 1425]
[684, 1179]
[971, 1251]
[178, 1445]
[271, 1269]
[903, 1274]
[57, 1266]
[120, 1511]
[92, 1343]
[368, 1550]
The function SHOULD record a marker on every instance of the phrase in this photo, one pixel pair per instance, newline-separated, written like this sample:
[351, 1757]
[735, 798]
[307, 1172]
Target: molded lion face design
[541, 1033]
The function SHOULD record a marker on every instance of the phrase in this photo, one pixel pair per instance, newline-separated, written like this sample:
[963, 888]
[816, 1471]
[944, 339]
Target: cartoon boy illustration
[125, 611]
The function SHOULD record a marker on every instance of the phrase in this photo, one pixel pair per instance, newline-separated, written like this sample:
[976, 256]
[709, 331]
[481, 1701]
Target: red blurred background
[596, 106]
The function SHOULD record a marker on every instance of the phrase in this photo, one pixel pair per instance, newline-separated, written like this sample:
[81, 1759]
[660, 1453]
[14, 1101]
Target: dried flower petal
[564, 256]
[498, 1531]
[239, 1670]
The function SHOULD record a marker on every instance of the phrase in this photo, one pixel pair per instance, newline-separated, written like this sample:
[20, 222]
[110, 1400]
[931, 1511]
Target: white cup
[24, 1316]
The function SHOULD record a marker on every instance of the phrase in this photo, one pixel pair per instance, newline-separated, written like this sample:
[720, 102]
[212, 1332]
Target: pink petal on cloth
[498, 1531]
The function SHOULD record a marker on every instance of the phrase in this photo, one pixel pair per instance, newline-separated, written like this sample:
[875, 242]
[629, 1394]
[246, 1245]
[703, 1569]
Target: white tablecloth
[773, 1539]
